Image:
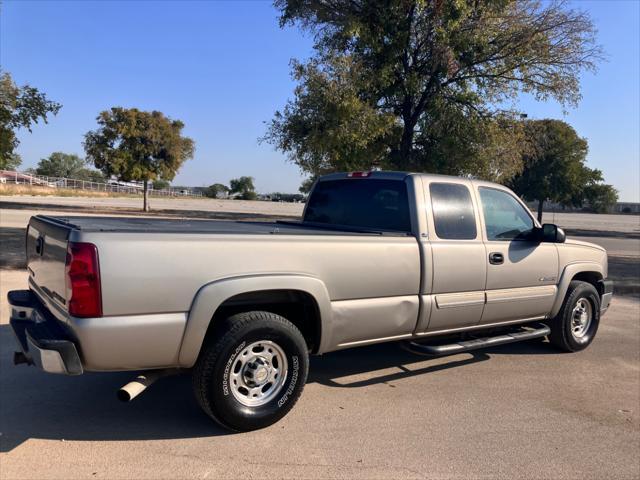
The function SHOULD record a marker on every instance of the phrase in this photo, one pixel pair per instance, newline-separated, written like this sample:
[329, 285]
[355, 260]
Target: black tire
[213, 372]
[562, 329]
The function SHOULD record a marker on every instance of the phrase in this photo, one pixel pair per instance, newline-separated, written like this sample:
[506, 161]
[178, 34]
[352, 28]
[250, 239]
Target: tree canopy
[66, 165]
[20, 107]
[600, 197]
[426, 85]
[243, 186]
[159, 184]
[554, 168]
[10, 162]
[132, 144]
[216, 190]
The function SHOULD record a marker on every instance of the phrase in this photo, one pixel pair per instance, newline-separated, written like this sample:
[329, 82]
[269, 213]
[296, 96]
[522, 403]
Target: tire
[253, 372]
[571, 330]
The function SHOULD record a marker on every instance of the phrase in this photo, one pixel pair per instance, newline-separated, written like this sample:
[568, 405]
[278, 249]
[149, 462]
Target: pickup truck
[443, 264]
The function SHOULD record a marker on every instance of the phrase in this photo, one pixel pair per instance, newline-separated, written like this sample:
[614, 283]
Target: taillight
[358, 174]
[84, 297]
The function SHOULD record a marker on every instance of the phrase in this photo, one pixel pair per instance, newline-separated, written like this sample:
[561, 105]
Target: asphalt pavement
[518, 411]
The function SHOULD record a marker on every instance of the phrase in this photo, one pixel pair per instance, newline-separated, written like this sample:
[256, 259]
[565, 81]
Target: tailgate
[46, 256]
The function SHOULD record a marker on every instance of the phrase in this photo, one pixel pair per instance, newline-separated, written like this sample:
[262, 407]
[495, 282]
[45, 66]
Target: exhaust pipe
[139, 384]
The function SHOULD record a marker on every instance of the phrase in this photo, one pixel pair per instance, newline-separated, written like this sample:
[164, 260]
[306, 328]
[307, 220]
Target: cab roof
[394, 175]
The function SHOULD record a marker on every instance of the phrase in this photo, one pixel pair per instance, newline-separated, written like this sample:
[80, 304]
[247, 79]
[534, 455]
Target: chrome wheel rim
[581, 318]
[259, 373]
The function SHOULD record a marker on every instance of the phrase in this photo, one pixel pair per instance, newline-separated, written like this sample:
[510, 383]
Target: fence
[112, 186]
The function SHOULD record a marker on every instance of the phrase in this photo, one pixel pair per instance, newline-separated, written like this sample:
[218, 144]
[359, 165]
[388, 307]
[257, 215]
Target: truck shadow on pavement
[54, 407]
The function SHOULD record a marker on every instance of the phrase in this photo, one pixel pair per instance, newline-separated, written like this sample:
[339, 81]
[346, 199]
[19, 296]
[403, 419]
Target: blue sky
[223, 69]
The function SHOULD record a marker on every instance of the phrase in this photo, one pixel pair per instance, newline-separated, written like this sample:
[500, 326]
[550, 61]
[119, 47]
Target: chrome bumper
[43, 341]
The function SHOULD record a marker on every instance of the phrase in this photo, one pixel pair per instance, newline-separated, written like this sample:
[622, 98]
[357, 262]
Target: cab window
[504, 217]
[452, 211]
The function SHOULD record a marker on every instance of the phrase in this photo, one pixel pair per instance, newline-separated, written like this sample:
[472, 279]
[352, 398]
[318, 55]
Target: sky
[223, 68]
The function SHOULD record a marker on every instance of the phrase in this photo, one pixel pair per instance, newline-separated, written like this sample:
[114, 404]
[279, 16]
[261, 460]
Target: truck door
[522, 273]
[458, 269]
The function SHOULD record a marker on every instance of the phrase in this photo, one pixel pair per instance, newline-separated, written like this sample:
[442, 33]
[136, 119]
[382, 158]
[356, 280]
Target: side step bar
[537, 331]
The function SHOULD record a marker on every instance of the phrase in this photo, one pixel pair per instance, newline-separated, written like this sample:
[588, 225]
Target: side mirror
[552, 233]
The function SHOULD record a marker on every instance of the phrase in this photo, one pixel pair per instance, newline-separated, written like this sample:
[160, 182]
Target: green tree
[160, 184]
[307, 184]
[10, 162]
[137, 145]
[406, 84]
[213, 191]
[20, 107]
[91, 175]
[60, 164]
[601, 197]
[243, 186]
[554, 166]
[67, 165]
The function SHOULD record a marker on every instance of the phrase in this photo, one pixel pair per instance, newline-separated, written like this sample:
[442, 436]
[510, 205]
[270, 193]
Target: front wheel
[575, 326]
[252, 374]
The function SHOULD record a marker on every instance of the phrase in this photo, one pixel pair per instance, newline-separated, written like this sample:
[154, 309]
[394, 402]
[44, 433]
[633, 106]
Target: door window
[504, 217]
[452, 211]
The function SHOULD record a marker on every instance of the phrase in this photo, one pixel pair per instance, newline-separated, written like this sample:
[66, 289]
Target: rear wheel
[575, 326]
[251, 375]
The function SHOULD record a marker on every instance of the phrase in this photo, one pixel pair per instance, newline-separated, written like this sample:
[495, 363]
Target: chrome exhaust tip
[139, 384]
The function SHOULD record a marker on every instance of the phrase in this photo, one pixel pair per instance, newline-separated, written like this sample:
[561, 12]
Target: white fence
[112, 186]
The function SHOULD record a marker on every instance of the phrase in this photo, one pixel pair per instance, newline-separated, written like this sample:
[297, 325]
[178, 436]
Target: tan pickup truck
[443, 264]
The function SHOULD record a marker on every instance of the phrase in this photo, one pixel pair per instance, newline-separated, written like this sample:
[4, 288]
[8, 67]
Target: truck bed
[167, 225]
[155, 266]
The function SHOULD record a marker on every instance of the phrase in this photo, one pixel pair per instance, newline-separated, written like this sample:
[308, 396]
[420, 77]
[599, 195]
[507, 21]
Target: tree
[243, 186]
[10, 162]
[601, 197]
[307, 184]
[60, 164]
[67, 165]
[216, 190]
[20, 107]
[404, 84]
[137, 145]
[160, 184]
[554, 166]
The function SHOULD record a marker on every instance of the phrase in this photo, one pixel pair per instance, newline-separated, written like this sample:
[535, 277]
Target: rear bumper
[607, 294]
[42, 339]
[110, 343]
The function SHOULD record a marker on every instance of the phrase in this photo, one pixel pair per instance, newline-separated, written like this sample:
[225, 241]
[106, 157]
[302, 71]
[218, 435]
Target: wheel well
[590, 277]
[299, 307]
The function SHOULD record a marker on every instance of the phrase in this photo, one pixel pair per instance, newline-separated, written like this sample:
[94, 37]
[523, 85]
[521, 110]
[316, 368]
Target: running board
[537, 331]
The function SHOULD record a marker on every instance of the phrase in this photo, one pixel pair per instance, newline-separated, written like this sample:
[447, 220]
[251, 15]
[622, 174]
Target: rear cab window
[368, 203]
[453, 213]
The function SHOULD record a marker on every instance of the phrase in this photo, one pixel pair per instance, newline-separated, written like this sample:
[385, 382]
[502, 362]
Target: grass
[39, 191]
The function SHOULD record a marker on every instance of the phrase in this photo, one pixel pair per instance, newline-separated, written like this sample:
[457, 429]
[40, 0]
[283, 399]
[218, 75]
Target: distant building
[627, 207]
[620, 207]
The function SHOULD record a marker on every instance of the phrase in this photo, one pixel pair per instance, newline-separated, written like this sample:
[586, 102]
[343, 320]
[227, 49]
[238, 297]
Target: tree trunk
[145, 204]
[540, 204]
[404, 160]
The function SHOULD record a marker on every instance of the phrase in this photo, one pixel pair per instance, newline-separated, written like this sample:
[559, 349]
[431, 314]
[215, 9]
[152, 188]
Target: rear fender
[212, 295]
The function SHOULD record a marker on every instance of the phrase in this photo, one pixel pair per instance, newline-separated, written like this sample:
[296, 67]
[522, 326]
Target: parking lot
[521, 410]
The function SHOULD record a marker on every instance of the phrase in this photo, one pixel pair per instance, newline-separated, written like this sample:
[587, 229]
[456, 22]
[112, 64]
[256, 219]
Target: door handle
[496, 258]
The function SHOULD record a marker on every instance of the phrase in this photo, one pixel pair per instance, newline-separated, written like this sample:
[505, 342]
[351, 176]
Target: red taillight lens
[358, 174]
[84, 297]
